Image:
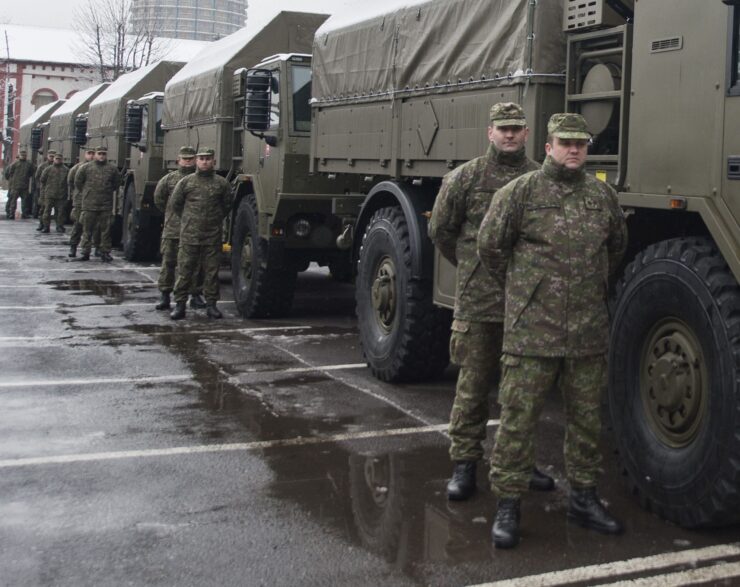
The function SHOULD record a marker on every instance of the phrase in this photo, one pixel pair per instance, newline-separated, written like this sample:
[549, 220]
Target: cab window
[734, 73]
[158, 131]
[301, 98]
[275, 101]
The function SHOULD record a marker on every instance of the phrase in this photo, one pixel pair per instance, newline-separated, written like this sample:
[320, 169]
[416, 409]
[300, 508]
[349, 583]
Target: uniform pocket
[509, 366]
[458, 342]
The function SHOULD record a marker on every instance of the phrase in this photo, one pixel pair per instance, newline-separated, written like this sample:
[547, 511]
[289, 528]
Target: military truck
[400, 98]
[138, 222]
[34, 127]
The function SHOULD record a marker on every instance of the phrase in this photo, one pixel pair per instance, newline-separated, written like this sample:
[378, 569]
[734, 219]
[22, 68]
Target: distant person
[477, 331]
[171, 231]
[38, 200]
[202, 199]
[19, 175]
[553, 237]
[54, 189]
[76, 212]
[97, 182]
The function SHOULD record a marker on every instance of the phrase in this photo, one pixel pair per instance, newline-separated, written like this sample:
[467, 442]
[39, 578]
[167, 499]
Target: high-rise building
[201, 20]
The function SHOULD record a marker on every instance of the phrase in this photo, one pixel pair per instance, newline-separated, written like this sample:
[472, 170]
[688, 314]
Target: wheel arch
[414, 202]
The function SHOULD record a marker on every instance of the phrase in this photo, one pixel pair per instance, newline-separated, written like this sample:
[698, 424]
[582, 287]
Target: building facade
[202, 20]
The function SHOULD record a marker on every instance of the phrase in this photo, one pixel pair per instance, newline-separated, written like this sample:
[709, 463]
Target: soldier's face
[571, 153]
[508, 139]
[89, 156]
[189, 162]
[101, 157]
[205, 162]
[50, 158]
[22, 156]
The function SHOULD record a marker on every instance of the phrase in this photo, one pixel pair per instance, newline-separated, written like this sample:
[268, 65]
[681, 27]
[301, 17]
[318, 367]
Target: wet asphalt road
[138, 451]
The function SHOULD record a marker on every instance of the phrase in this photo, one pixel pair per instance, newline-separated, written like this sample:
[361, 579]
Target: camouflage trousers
[58, 205]
[169, 248]
[524, 385]
[12, 203]
[76, 235]
[92, 221]
[476, 348]
[191, 259]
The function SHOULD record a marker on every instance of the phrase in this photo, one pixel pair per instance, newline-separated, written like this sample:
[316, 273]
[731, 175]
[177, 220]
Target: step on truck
[400, 98]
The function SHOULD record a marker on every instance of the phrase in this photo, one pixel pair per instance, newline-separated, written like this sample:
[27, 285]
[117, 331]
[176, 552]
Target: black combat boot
[46, 230]
[462, 484]
[105, 257]
[586, 510]
[213, 312]
[179, 312]
[97, 252]
[541, 482]
[83, 257]
[72, 251]
[60, 229]
[40, 227]
[197, 302]
[505, 531]
[164, 301]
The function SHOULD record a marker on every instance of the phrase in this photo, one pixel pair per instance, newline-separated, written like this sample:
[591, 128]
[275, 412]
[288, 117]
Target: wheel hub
[673, 385]
[384, 293]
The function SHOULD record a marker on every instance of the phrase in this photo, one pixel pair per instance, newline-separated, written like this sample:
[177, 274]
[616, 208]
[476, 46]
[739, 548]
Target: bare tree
[112, 41]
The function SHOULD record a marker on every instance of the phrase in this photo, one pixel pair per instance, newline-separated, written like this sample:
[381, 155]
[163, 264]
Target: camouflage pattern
[96, 183]
[554, 236]
[54, 190]
[525, 383]
[74, 193]
[169, 248]
[202, 199]
[94, 221]
[507, 114]
[476, 347]
[75, 236]
[19, 175]
[568, 126]
[163, 201]
[461, 204]
[38, 198]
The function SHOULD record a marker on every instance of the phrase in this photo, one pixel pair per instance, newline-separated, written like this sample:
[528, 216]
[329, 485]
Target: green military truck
[138, 223]
[34, 128]
[401, 98]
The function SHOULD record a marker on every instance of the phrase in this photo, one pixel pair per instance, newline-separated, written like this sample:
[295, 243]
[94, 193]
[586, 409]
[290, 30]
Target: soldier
[477, 329]
[76, 213]
[553, 236]
[54, 190]
[96, 182]
[171, 231]
[19, 175]
[203, 200]
[38, 204]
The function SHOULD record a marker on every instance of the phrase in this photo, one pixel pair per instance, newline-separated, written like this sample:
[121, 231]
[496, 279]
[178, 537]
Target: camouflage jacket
[461, 204]
[96, 183]
[554, 236]
[19, 174]
[202, 200]
[163, 201]
[71, 189]
[54, 182]
[39, 171]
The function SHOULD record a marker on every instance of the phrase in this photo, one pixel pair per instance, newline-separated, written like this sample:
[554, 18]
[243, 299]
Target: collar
[558, 172]
[515, 159]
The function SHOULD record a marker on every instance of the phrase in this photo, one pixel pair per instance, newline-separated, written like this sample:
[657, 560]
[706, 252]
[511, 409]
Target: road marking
[100, 381]
[309, 369]
[635, 565]
[703, 575]
[72, 290]
[106, 269]
[170, 333]
[216, 448]
[64, 306]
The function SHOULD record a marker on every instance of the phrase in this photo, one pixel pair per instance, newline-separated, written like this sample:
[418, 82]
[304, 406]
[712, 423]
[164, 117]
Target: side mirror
[133, 125]
[257, 105]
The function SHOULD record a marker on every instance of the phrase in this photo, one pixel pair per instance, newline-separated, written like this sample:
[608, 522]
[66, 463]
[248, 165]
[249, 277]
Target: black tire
[139, 244]
[260, 291]
[673, 382]
[404, 337]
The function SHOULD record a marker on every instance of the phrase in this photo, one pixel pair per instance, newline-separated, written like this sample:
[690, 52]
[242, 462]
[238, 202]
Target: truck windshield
[301, 96]
[158, 132]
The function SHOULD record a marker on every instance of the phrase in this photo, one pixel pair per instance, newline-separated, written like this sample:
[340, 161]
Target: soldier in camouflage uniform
[553, 236]
[202, 199]
[54, 190]
[38, 207]
[76, 213]
[171, 231]
[19, 175]
[96, 182]
[477, 330]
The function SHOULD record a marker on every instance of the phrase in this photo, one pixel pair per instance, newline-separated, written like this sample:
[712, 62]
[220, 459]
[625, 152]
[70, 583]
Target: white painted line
[713, 574]
[215, 448]
[635, 565]
[170, 333]
[64, 306]
[309, 369]
[101, 381]
[106, 269]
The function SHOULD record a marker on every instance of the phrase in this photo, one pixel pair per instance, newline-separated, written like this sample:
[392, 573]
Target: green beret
[205, 152]
[568, 126]
[507, 114]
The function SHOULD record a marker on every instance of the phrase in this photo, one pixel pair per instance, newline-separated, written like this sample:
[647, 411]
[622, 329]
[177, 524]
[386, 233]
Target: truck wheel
[674, 398]
[260, 291]
[137, 244]
[404, 337]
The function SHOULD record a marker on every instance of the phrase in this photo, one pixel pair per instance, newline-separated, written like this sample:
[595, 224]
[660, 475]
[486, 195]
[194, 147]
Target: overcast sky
[58, 13]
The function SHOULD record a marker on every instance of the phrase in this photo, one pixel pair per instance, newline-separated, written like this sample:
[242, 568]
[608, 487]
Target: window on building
[42, 98]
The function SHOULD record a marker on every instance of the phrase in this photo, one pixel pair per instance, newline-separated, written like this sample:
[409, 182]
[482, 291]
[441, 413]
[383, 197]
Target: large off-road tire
[674, 375]
[260, 290]
[139, 243]
[404, 337]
